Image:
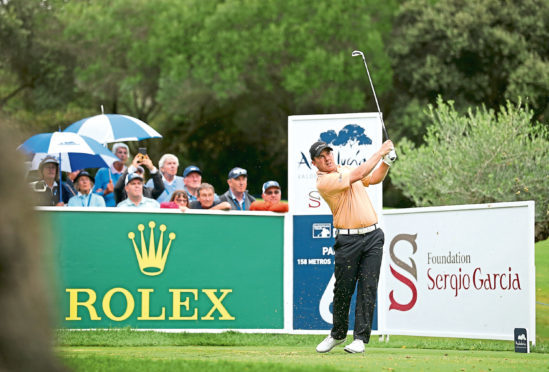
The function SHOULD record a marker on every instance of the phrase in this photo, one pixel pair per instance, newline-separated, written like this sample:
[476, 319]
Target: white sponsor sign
[459, 271]
[353, 137]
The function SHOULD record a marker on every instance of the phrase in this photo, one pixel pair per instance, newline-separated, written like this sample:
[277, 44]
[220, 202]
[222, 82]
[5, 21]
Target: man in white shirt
[134, 189]
[168, 165]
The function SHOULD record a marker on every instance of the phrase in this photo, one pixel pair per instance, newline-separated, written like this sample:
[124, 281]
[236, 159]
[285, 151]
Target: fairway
[294, 358]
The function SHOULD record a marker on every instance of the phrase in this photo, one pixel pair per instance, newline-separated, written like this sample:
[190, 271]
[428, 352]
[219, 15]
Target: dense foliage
[480, 157]
[473, 52]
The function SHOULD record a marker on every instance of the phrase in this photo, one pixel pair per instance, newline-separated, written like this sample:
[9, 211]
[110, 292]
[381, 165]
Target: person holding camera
[47, 189]
[138, 162]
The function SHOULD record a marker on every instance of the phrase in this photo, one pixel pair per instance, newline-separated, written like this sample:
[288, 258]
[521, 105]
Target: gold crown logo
[153, 260]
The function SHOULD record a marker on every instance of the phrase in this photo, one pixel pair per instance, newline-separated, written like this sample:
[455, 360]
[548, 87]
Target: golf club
[392, 155]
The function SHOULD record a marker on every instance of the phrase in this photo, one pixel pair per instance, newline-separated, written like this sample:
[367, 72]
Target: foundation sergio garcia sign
[459, 271]
[169, 270]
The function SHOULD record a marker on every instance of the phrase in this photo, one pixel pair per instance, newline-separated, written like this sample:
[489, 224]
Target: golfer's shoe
[328, 344]
[357, 346]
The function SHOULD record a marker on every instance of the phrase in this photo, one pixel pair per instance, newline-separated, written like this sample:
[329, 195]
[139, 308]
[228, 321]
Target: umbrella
[77, 152]
[66, 164]
[105, 128]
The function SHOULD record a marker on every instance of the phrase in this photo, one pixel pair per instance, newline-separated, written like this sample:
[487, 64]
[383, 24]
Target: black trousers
[357, 260]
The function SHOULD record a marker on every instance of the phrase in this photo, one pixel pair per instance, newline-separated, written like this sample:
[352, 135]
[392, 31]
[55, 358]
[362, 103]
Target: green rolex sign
[169, 270]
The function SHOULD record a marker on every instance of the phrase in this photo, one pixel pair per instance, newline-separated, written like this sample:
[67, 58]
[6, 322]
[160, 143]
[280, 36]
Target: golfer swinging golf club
[359, 241]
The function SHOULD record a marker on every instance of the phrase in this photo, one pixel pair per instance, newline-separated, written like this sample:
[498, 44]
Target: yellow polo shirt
[350, 204]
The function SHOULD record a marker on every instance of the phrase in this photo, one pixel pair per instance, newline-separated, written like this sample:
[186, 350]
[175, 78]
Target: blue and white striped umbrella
[77, 152]
[106, 128]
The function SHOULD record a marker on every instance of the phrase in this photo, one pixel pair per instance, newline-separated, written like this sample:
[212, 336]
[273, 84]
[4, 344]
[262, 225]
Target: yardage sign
[459, 271]
[354, 138]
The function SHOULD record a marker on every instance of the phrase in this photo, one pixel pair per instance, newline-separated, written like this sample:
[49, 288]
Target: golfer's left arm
[379, 174]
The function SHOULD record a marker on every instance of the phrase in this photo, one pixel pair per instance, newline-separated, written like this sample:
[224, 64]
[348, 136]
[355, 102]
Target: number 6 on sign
[326, 300]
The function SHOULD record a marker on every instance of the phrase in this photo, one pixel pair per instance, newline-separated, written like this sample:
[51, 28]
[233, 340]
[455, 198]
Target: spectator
[85, 198]
[179, 199]
[134, 190]
[105, 178]
[168, 165]
[206, 199]
[271, 199]
[150, 192]
[237, 195]
[47, 187]
[192, 177]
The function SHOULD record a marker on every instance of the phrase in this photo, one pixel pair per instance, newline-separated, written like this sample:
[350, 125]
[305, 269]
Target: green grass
[130, 338]
[297, 358]
[542, 292]
[127, 350]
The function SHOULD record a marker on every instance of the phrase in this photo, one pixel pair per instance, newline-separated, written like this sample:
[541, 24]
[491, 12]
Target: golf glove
[390, 158]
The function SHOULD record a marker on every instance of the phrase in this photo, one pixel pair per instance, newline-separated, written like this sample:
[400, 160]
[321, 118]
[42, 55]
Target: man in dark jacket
[47, 188]
[136, 167]
[237, 195]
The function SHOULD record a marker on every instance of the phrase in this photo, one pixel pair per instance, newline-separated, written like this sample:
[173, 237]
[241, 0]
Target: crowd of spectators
[125, 186]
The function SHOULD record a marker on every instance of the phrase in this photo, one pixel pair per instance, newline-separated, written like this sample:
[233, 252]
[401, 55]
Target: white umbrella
[106, 128]
[77, 152]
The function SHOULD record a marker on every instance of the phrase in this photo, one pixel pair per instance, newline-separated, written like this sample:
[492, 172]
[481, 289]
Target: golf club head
[357, 53]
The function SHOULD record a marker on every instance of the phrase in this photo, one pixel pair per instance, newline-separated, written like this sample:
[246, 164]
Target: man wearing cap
[192, 178]
[134, 190]
[106, 178]
[83, 182]
[168, 165]
[152, 192]
[359, 241]
[271, 199]
[237, 195]
[47, 188]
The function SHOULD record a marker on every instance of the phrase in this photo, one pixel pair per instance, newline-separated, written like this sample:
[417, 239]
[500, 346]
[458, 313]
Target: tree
[231, 85]
[32, 68]
[480, 157]
[118, 64]
[473, 52]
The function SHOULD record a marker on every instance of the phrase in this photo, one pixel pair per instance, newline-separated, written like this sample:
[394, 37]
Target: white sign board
[353, 137]
[459, 271]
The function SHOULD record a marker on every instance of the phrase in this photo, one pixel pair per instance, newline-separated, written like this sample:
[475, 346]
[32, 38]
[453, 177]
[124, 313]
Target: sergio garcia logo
[409, 268]
[152, 261]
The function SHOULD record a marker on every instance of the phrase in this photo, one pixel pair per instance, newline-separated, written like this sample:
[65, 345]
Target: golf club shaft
[375, 97]
[392, 154]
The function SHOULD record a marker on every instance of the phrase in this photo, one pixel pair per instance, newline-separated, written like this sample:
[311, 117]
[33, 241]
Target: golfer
[359, 241]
